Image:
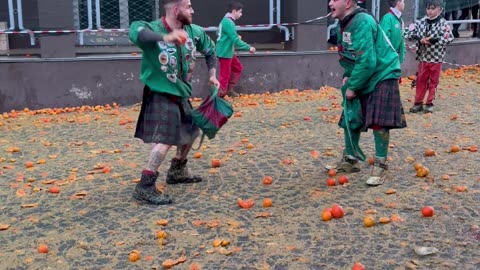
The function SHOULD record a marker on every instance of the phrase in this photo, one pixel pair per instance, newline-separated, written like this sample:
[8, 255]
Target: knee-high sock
[382, 139]
[349, 144]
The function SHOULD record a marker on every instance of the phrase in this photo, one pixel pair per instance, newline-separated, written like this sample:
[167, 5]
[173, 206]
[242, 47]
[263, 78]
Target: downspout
[282, 27]
[97, 14]
[90, 21]
[415, 12]
[330, 27]
[20, 22]
[11, 15]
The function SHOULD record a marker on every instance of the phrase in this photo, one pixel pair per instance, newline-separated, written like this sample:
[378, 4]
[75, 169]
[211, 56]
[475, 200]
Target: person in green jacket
[227, 41]
[370, 87]
[169, 48]
[392, 24]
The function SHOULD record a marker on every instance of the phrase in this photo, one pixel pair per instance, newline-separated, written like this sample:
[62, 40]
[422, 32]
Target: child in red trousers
[228, 40]
[432, 34]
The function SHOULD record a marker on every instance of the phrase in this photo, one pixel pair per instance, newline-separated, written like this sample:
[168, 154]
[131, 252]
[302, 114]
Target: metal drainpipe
[330, 28]
[20, 15]
[281, 27]
[374, 8]
[415, 12]
[20, 22]
[11, 15]
[98, 15]
[463, 21]
[90, 21]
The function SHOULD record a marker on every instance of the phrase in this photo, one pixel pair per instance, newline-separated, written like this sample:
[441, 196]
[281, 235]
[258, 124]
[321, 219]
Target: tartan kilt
[165, 119]
[383, 106]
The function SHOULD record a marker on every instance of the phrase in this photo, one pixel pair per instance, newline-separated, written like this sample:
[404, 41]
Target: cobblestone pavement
[93, 223]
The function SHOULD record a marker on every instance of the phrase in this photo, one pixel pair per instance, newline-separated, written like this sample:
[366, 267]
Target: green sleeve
[135, 28]
[205, 44]
[228, 29]
[364, 47]
[347, 70]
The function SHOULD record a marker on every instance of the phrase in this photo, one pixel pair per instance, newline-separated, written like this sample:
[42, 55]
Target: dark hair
[235, 6]
[433, 3]
[393, 3]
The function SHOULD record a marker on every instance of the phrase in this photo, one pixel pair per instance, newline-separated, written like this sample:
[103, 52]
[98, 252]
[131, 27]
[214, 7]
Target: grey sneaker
[416, 108]
[347, 164]
[379, 171]
[232, 93]
[429, 109]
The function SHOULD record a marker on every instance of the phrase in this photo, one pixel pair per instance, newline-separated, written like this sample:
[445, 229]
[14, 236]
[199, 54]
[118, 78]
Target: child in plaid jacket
[432, 34]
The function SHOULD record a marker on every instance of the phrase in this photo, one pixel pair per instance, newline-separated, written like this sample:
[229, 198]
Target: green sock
[382, 139]
[349, 150]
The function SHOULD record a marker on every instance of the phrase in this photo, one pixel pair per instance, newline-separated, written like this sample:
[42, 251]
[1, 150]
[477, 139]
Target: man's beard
[183, 19]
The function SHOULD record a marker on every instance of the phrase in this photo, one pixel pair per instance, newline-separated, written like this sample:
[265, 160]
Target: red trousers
[230, 71]
[427, 79]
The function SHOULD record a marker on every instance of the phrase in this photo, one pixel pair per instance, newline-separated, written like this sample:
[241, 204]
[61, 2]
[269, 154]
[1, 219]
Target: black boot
[179, 174]
[416, 108]
[147, 192]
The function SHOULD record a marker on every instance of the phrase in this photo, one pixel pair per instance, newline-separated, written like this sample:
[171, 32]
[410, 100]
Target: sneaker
[416, 108]
[347, 164]
[222, 92]
[379, 171]
[429, 109]
[232, 93]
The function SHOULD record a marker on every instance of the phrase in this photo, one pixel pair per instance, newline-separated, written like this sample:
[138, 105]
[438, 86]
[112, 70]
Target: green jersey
[228, 39]
[393, 28]
[167, 67]
[366, 54]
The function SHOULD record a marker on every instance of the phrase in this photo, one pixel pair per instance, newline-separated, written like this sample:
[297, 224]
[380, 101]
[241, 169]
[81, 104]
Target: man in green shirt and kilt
[370, 87]
[169, 47]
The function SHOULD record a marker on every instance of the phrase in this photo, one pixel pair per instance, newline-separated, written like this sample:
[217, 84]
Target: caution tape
[26, 31]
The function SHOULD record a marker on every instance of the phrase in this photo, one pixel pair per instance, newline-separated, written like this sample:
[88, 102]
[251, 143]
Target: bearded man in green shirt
[370, 87]
[169, 48]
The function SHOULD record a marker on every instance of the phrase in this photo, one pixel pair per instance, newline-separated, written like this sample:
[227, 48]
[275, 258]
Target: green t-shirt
[167, 67]
[228, 39]
[366, 54]
[393, 28]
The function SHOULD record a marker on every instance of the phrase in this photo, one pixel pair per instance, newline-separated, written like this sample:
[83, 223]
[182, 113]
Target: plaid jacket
[440, 34]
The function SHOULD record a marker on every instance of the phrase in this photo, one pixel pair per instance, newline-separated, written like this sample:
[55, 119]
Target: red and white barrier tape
[127, 30]
[61, 31]
[122, 30]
